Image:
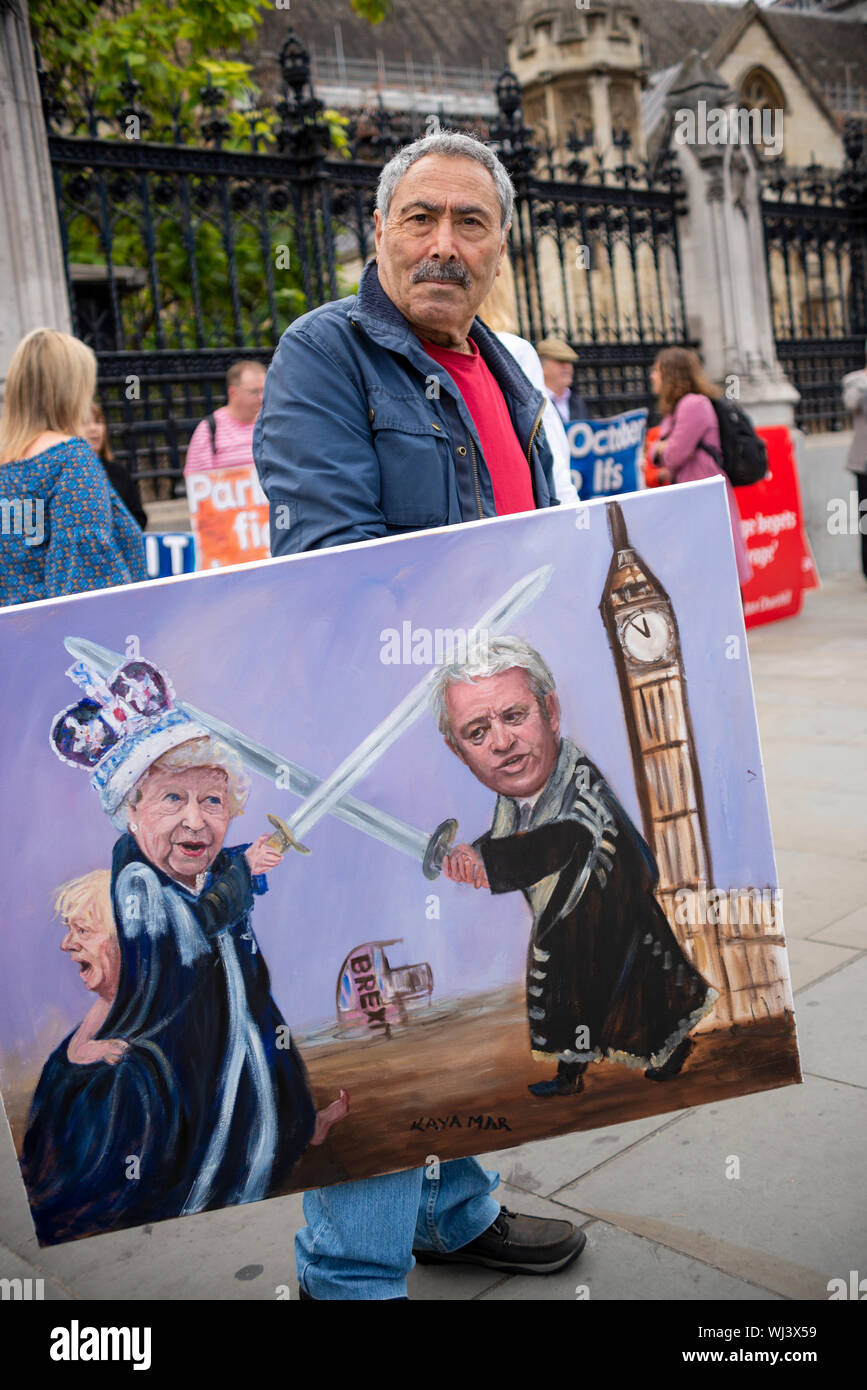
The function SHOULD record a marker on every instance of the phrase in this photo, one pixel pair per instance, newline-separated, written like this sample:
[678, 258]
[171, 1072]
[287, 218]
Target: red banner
[773, 528]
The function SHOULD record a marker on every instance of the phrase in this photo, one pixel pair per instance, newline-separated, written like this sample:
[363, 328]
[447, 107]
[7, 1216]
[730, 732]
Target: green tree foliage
[173, 49]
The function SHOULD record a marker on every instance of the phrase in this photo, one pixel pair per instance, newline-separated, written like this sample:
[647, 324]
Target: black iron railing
[815, 224]
[188, 248]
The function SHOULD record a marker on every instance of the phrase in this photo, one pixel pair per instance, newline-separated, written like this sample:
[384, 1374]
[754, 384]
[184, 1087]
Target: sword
[329, 796]
[496, 620]
[429, 849]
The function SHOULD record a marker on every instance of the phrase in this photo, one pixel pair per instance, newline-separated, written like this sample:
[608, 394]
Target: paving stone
[617, 1265]
[832, 1027]
[818, 889]
[549, 1164]
[40, 1286]
[810, 960]
[800, 1194]
[833, 822]
[815, 763]
[850, 930]
[239, 1253]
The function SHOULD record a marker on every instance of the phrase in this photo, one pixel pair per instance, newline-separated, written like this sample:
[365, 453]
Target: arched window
[759, 91]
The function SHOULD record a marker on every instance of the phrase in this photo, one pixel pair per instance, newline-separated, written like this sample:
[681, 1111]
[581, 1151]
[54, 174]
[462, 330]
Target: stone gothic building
[599, 66]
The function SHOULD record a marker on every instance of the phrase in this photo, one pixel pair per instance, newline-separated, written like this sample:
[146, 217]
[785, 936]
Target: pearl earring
[133, 827]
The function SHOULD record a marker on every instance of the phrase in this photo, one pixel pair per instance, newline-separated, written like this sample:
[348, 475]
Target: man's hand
[261, 856]
[465, 865]
[110, 1050]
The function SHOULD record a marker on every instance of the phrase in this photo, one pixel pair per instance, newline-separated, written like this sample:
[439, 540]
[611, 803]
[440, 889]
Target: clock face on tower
[646, 634]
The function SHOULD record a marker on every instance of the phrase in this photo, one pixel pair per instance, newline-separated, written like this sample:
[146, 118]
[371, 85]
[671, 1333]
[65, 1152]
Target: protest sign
[169, 552]
[606, 454]
[228, 515]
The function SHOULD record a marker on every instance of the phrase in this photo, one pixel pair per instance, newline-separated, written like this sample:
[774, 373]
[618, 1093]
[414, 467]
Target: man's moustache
[441, 270]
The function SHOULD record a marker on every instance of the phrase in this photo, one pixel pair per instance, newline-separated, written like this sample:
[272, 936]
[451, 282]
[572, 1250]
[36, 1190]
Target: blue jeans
[359, 1235]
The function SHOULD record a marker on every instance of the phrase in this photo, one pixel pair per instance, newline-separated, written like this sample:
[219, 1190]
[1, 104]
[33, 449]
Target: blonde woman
[64, 529]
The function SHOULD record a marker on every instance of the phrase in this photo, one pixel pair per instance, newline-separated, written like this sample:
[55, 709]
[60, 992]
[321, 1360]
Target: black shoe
[569, 1081]
[516, 1244]
[674, 1063]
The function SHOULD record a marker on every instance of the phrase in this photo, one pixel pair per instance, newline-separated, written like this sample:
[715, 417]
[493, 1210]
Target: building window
[759, 91]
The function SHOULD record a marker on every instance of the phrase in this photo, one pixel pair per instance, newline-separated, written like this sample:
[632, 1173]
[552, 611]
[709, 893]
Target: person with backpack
[690, 444]
[224, 439]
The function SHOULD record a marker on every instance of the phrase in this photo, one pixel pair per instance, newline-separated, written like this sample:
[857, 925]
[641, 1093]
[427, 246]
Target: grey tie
[524, 815]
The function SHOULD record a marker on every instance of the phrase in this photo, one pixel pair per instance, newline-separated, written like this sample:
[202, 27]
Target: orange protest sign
[228, 515]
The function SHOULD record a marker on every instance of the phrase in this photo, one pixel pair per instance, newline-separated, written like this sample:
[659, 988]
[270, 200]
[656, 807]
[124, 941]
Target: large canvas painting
[333, 865]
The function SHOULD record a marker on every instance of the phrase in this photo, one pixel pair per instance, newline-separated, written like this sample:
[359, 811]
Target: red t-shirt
[507, 463]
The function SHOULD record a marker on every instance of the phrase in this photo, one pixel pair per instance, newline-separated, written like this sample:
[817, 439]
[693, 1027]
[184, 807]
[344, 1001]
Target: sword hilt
[438, 847]
[283, 839]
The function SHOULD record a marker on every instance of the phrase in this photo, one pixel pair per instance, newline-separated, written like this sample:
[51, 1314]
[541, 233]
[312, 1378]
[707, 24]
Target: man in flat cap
[558, 364]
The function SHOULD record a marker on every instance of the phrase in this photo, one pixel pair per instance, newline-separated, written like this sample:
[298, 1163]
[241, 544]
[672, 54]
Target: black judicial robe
[209, 1105]
[605, 975]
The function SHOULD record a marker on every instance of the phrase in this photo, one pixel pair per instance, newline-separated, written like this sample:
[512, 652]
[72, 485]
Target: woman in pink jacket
[689, 432]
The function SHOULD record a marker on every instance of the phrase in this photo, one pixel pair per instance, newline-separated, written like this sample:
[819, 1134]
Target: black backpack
[744, 455]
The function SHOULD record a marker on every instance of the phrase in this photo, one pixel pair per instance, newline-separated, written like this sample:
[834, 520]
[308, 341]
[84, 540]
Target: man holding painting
[391, 411]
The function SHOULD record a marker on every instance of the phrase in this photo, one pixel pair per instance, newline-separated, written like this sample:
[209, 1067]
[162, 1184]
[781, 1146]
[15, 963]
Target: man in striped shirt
[225, 439]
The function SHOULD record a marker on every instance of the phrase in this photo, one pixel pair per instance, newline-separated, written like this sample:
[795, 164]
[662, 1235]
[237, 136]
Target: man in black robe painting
[605, 975]
[187, 1091]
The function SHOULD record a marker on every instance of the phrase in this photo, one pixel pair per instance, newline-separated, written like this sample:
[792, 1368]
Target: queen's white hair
[499, 654]
[455, 145]
[196, 752]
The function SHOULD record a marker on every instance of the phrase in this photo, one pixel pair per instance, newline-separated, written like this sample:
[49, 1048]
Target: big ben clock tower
[642, 630]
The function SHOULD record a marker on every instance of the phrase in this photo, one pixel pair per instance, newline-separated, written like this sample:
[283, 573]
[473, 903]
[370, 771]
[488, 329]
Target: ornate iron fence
[187, 249]
[596, 255]
[816, 250]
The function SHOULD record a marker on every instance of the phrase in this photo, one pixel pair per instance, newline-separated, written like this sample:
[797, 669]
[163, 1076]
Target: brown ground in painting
[463, 1077]
[454, 1082]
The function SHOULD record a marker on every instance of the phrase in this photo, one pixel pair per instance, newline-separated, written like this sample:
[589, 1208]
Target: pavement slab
[799, 1196]
[238, 1253]
[850, 930]
[621, 1266]
[818, 889]
[544, 1167]
[812, 960]
[832, 1028]
[34, 1285]
[830, 822]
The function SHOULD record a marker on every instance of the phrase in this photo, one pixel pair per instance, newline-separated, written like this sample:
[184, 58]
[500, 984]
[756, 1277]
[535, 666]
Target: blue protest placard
[606, 454]
[169, 552]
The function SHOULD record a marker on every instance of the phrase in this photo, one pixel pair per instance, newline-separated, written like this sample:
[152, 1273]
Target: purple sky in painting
[289, 652]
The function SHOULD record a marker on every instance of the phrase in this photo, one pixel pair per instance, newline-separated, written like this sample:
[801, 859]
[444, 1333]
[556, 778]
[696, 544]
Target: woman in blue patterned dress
[63, 529]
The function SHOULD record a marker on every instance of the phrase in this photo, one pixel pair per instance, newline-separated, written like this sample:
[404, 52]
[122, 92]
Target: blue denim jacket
[362, 435]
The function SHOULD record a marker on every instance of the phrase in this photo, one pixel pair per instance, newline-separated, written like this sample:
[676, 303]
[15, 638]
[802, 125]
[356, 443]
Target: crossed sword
[330, 795]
